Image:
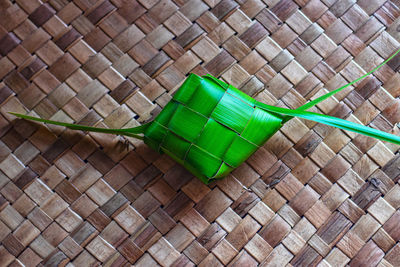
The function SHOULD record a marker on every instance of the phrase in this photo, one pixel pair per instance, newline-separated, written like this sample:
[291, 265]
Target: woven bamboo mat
[313, 195]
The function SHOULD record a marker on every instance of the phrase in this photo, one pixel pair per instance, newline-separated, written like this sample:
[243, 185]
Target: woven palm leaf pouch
[211, 127]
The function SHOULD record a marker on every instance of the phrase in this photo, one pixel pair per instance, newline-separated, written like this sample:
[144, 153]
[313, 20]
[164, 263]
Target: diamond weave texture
[210, 127]
[312, 195]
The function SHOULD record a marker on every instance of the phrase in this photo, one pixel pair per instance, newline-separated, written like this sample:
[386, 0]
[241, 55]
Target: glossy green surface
[193, 121]
[222, 124]
[206, 99]
[233, 113]
[240, 150]
[211, 141]
[269, 123]
[211, 127]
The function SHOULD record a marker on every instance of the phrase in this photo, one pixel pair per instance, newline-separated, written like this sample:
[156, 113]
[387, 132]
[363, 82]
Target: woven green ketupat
[211, 127]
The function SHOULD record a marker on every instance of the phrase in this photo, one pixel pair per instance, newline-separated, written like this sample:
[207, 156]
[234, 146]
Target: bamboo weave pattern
[311, 195]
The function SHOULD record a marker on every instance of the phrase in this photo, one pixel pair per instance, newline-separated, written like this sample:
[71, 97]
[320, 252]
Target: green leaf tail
[132, 132]
[327, 95]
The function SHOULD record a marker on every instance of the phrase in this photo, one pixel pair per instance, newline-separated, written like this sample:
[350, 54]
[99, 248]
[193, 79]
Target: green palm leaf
[332, 121]
[132, 132]
[327, 95]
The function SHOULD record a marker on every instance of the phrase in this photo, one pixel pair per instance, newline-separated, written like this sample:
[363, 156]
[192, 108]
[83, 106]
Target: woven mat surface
[313, 195]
